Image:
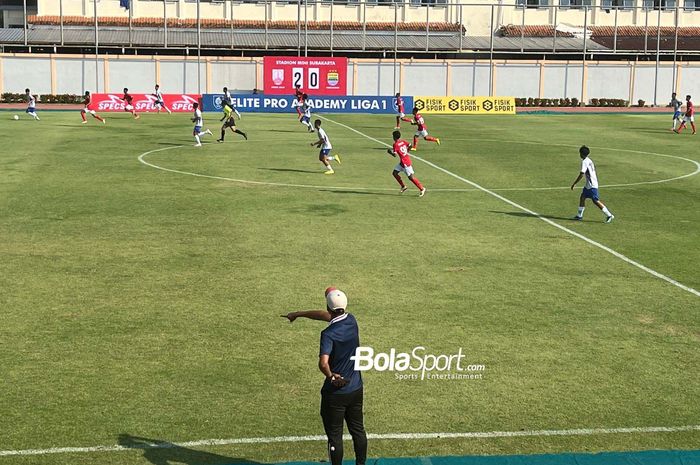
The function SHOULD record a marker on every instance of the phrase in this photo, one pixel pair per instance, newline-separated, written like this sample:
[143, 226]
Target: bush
[640, 103]
[574, 102]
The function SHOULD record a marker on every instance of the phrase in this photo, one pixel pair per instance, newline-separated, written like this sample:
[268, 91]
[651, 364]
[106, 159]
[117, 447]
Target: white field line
[318, 438]
[537, 215]
[142, 159]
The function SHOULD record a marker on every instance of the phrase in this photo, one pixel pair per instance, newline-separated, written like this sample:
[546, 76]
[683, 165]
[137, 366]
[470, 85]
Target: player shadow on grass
[160, 452]
[530, 215]
[291, 170]
[349, 191]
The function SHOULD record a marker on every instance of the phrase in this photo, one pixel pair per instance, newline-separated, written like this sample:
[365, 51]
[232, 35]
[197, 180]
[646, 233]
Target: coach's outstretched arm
[320, 315]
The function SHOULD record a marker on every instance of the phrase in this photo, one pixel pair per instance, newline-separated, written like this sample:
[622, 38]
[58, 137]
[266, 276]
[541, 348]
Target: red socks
[82, 115]
[430, 139]
[415, 142]
[417, 183]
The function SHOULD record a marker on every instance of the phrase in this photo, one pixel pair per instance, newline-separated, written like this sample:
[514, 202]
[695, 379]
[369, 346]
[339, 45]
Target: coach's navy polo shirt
[340, 340]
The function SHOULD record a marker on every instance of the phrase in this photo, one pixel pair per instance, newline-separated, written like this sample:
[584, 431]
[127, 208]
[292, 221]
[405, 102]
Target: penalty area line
[318, 438]
[536, 215]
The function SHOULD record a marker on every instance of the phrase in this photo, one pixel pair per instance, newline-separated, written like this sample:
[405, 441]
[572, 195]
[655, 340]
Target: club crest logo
[278, 76]
[333, 78]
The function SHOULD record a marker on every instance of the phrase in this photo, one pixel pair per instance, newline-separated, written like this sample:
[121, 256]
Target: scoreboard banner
[180, 103]
[256, 103]
[314, 75]
[466, 105]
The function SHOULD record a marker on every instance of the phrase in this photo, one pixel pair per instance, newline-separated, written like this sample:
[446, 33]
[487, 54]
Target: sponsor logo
[418, 364]
[113, 103]
[147, 104]
[420, 104]
[278, 76]
[184, 103]
[487, 105]
[453, 105]
[333, 78]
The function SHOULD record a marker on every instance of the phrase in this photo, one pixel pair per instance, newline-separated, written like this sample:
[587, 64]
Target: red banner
[145, 102]
[314, 75]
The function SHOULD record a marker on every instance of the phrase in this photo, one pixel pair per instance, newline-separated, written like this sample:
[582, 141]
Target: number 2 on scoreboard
[298, 77]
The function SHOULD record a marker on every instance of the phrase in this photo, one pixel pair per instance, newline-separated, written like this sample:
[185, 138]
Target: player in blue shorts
[31, 104]
[590, 190]
[306, 113]
[677, 114]
[197, 120]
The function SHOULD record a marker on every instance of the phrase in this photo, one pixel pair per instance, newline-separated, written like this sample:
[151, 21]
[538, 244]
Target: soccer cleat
[104, 121]
[609, 219]
[397, 128]
[337, 158]
[311, 129]
[197, 145]
[208, 131]
[577, 218]
[438, 141]
[422, 192]
[676, 131]
[403, 189]
[413, 149]
[219, 140]
[137, 116]
[329, 172]
[245, 136]
[84, 122]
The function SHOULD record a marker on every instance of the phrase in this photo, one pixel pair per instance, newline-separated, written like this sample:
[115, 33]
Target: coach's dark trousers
[336, 408]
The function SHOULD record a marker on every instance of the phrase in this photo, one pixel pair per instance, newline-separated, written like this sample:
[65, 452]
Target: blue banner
[257, 103]
[124, 4]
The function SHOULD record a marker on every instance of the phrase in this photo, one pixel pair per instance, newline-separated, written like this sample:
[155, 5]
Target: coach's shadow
[159, 452]
[530, 215]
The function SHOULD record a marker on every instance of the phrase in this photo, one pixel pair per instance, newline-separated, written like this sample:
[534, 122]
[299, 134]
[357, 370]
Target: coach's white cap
[336, 299]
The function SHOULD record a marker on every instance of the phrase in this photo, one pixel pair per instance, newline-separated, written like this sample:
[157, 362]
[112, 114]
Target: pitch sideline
[535, 214]
[394, 436]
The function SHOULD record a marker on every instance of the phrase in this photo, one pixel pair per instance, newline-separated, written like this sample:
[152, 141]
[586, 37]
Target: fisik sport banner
[466, 105]
[313, 75]
[287, 104]
[144, 102]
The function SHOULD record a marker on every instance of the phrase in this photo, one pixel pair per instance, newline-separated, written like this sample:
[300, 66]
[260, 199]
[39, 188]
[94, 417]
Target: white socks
[580, 211]
[606, 212]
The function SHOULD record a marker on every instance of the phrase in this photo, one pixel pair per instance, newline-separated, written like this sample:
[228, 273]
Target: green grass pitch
[138, 302]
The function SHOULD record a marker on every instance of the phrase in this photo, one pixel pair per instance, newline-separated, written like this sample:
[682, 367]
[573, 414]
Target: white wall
[470, 79]
[21, 73]
[137, 76]
[424, 79]
[75, 76]
[605, 81]
[562, 80]
[516, 80]
[237, 76]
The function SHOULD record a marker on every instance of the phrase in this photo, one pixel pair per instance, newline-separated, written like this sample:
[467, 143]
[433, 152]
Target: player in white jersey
[31, 104]
[159, 103]
[197, 120]
[677, 115]
[306, 113]
[590, 190]
[324, 143]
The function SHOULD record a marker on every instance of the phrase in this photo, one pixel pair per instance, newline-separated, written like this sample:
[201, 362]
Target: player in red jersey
[299, 96]
[422, 130]
[400, 115]
[689, 116]
[128, 99]
[400, 149]
[87, 101]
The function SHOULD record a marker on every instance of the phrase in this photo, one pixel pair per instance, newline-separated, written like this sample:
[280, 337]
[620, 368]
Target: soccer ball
[16, 117]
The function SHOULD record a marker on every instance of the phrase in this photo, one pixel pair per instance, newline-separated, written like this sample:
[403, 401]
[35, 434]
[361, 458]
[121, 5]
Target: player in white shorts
[88, 109]
[31, 104]
[590, 190]
[159, 103]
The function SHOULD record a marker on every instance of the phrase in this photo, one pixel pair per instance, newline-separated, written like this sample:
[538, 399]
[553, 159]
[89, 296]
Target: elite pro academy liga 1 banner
[314, 75]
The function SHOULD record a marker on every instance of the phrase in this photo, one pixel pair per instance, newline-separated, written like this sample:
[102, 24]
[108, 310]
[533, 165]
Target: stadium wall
[73, 74]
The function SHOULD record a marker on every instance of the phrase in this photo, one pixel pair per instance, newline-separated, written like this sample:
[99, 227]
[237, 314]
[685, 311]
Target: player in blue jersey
[31, 104]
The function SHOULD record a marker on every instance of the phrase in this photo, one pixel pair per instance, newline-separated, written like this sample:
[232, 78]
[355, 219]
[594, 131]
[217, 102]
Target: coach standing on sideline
[341, 395]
